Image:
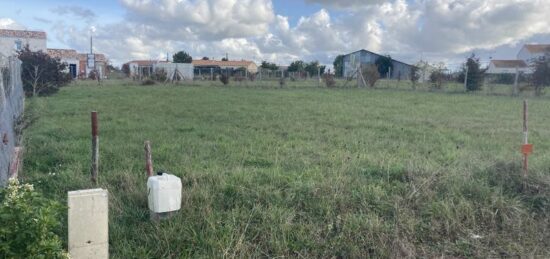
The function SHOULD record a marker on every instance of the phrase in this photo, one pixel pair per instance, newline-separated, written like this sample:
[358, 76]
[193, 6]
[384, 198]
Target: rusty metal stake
[148, 159]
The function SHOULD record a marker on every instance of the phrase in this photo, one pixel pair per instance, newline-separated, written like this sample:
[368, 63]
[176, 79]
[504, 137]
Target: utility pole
[466, 79]
[516, 83]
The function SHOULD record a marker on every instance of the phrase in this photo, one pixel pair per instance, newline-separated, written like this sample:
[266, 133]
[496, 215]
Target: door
[72, 70]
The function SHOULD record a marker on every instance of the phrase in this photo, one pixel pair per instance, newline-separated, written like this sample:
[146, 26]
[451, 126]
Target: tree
[414, 76]
[225, 59]
[297, 66]
[472, 68]
[182, 57]
[205, 58]
[126, 69]
[541, 74]
[41, 74]
[384, 64]
[269, 66]
[313, 68]
[339, 66]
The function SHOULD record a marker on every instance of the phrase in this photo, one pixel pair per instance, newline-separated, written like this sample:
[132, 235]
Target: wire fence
[12, 99]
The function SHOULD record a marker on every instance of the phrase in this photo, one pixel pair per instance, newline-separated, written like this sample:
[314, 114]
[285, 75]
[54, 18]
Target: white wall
[507, 70]
[7, 45]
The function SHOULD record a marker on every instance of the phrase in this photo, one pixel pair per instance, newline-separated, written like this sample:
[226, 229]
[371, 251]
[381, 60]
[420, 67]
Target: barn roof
[537, 48]
[230, 63]
[377, 55]
[509, 63]
[23, 34]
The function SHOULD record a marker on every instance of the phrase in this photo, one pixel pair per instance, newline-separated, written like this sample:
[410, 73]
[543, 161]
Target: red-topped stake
[95, 147]
[527, 148]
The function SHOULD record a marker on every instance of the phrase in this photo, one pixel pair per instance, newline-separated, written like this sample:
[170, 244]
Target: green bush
[27, 223]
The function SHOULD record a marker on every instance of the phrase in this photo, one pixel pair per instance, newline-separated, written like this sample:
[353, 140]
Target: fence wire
[12, 105]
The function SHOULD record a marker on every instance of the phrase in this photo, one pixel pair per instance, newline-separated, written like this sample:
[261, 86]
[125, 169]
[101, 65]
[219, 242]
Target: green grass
[302, 171]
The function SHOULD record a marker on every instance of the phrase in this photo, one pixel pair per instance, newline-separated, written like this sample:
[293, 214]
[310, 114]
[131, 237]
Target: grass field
[303, 172]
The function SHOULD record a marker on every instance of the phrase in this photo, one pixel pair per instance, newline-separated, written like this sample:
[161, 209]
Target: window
[18, 44]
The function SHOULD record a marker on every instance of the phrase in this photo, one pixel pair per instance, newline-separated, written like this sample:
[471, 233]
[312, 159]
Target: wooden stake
[525, 138]
[95, 147]
[148, 159]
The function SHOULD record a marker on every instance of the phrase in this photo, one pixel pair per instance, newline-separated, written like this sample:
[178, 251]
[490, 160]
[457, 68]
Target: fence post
[95, 147]
[148, 159]
[516, 83]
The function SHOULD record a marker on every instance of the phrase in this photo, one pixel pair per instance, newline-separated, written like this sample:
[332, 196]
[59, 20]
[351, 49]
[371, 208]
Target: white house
[528, 54]
[533, 52]
[13, 40]
[508, 67]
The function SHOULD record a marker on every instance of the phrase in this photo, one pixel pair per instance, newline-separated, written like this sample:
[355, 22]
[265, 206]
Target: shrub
[160, 75]
[414, 76]
[541, 76]
[41, 74]
[28, 221]
[93, 75]
[282, 82]
[437, 78]
[224, 79]
[148, 81]
[371, 75]
[329, 80]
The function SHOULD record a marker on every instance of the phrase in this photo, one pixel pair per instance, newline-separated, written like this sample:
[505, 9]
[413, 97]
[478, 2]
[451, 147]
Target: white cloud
[7, 23]
[250, 29]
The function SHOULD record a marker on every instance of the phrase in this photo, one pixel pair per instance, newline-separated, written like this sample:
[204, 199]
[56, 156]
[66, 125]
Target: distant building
[69, 56]
[508, 67]
[12, 41]
[355, 59]
[205, 66]
[100, 65]
[528, 54]
[533, 52]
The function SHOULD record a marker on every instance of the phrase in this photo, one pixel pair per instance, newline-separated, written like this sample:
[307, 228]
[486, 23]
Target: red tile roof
[509, 63]
[63, 53]
[231, 63]
[538, 48]
[23, 34]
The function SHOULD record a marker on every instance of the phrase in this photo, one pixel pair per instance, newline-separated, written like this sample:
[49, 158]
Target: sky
[281, 31]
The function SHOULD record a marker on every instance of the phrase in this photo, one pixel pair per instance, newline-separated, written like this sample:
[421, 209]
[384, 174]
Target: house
[528, 54]
[12, 41]
[215, 66]
[91, 62]
[533, 52]
[352, 61]
[68, 56]
[508, 67]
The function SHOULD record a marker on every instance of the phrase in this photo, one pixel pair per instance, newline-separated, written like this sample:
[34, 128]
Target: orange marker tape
[527, 149]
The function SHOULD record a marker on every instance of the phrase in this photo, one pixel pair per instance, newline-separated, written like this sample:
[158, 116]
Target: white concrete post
[88, 224]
